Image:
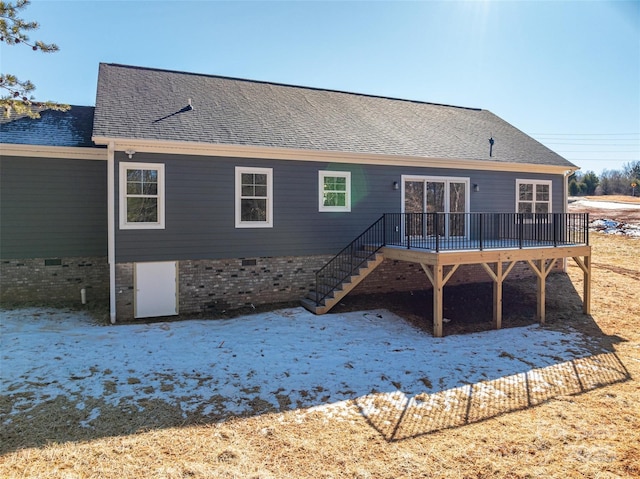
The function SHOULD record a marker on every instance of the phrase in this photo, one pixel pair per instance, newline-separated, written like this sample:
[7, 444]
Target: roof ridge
[288, 85]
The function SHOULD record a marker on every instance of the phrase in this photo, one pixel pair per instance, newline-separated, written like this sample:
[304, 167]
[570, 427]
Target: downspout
[565, 196]
[111, 233]
[565, 190]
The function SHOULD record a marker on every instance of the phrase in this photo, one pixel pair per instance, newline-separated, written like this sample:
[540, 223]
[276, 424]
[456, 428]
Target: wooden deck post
[542, 270]
[542, 292]
[437, 300]
[498, 276]
[438, 279]
[497, 297]
[585, 266]
[586, 292]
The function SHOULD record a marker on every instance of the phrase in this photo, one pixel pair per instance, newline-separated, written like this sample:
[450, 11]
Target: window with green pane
[334, 191]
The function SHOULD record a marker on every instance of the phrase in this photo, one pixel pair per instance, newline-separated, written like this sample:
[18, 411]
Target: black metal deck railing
[479, 231]
[350, 259]
[438, 232]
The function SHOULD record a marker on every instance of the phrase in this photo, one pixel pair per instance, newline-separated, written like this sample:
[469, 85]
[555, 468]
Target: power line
[586, 134]
[602, 159]
[590, 141]
[597, 147]
[599, 151]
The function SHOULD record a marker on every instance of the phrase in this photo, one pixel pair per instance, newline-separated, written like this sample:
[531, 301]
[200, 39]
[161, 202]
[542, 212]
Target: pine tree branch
[17, 96]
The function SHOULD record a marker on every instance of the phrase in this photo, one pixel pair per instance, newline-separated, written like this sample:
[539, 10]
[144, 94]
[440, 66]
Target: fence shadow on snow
[397, 417]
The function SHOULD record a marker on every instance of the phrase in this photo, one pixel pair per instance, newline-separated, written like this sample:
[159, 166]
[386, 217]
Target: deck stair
[347, 269]
[332, 289]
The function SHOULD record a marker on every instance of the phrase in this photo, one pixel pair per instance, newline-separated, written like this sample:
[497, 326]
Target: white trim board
[58, 152]
[261, 152]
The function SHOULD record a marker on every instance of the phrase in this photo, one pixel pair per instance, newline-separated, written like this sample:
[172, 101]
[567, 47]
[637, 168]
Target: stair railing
[350, 259]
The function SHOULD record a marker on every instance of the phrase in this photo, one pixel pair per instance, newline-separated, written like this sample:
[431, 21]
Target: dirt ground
[467, 308]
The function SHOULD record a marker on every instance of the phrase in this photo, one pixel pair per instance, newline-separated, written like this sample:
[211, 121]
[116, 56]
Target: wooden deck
[498, 263]
[442, 242]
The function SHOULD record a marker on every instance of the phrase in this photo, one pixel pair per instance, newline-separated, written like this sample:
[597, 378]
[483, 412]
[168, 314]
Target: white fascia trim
[64, 152]
[263, 152]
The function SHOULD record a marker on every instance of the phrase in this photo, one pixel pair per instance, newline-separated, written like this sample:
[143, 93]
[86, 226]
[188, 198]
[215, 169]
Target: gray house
[198, 192]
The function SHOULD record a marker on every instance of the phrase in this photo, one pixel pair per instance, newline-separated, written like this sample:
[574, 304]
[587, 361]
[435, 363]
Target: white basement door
[156, 289]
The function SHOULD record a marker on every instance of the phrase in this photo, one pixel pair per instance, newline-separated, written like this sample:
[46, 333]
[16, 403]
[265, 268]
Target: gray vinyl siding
[52, 208]
[200, 207]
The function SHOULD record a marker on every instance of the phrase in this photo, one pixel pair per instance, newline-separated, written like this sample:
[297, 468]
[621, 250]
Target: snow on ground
[605, 205]
[613, 227]
[608, 225]
[223, 367]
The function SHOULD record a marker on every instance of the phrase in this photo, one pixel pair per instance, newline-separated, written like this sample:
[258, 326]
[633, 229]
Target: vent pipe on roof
[491, 142]
[189, 106]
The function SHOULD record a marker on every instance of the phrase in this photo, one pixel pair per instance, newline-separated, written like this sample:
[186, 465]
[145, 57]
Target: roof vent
[189, 106]
[491, 142]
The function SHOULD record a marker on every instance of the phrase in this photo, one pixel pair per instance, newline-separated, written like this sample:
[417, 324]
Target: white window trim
[322, 174]
[238, 193]
[534, 183]
[124, 224]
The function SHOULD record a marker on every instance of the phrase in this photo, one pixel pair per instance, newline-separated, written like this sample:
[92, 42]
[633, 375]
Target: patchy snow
[613, 227]
[606, 205]
[226, 367]
[625, 211]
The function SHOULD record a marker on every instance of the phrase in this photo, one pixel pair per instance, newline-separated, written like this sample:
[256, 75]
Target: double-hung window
[334, 189]
[533, 196]
[254, 197]
[141, 195]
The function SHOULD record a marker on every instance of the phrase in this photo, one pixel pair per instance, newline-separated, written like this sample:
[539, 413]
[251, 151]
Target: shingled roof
[53, 128]
[152, 104]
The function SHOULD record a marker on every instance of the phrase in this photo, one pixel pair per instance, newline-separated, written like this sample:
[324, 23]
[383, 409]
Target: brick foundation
[230, 284]
[124, 291]
[209, 285]
[53, 280]
[221, 285]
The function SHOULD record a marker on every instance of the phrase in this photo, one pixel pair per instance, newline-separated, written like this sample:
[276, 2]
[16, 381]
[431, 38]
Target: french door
[426, 194]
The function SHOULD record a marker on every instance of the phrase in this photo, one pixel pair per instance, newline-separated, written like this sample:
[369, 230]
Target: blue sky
[566, 73]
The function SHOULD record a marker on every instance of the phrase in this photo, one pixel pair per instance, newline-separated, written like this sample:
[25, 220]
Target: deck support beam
[498, 264]
[542, 269]
[498, 276]
[585, 266]
[438, 279]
